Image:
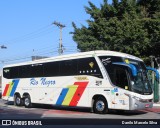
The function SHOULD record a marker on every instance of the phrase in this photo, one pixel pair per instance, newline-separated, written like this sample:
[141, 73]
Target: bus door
[121, 81]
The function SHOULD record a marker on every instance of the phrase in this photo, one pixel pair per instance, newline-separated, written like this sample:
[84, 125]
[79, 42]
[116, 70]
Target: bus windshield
[140, 83]
[122, 76]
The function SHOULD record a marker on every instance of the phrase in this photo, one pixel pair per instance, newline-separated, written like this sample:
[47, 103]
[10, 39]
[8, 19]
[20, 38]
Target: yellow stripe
[70, 94]
[10, 88]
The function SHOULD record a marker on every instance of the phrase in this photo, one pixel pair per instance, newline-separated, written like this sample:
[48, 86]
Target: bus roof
[78, 55]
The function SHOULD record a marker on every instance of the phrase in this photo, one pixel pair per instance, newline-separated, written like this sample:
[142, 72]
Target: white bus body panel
[71, 90]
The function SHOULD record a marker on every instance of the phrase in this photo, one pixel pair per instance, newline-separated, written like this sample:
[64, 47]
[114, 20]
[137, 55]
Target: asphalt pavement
[47, 115]
[8, 110]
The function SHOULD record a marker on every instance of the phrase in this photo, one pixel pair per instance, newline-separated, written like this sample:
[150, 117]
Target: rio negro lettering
[42, 81]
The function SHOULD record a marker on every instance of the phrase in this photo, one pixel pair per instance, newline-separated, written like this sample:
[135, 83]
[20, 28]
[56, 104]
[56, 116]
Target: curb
[156, 105]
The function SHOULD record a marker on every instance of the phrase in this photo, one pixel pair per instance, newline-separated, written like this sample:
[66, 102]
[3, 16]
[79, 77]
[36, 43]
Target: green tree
[126, 26]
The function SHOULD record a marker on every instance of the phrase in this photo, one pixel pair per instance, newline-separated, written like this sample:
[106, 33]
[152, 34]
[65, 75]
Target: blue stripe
[15, 83]
[62, 96]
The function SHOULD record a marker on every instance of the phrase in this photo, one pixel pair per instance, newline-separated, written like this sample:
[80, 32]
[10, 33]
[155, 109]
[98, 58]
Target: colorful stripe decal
[14, 87]
[5, 90]
[10, 88]
[70, 94]
[62, 96]
[79, 92]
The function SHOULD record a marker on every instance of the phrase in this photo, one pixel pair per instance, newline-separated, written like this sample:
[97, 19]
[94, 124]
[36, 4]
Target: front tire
[27, 101]
[100, 106]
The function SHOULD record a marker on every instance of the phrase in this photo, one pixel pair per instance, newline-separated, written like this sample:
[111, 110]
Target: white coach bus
[101, 80]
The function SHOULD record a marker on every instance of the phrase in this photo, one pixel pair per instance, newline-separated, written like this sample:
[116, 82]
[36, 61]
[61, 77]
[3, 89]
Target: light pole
[152, 65]
[61, 26]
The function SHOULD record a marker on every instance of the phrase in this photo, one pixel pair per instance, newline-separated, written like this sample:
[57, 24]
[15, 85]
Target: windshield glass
[140, 83]
[122, 77]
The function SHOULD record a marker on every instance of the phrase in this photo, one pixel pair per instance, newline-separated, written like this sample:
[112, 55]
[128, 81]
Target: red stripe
[5, 90]
[78, 93]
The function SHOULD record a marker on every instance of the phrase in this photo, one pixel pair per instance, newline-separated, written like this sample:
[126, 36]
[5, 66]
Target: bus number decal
[81, 87]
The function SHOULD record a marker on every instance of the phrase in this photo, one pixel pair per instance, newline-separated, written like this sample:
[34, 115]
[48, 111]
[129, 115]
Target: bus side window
[68, 67]
[51, 69]
[6, 73]
[24, 71]
[89, 66]
[36, 70]
[14, 72]
[11, 73]
[120, 78]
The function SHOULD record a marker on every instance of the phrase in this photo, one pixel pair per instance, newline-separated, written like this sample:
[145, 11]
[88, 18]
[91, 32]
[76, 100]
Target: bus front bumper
[136, 104]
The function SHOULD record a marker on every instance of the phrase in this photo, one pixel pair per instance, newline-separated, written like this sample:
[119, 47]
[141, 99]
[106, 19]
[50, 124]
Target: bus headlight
[136, 98]
[139, 99]
[142, 100]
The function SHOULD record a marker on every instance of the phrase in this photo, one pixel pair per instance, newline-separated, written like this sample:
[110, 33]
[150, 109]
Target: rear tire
[100, 106]
[27, 101]
[17, 100]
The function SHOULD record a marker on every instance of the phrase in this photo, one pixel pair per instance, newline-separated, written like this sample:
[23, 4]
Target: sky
[27, 29]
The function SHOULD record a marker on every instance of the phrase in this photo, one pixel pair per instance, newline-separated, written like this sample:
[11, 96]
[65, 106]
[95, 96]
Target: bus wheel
[100, 106]
[17, 100]
[27, 101]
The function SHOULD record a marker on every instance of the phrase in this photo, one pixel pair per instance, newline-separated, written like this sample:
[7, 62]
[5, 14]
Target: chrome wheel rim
[26, 101]
[100, 106]
[18, 100]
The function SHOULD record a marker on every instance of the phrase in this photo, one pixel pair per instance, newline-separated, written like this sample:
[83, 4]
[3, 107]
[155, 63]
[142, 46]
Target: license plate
[147, 106]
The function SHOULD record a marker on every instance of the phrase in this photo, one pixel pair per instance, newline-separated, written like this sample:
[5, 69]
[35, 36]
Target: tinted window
[14, 72]
[24, 71]
[118, 74]
[11, 72]
[6, 73]
[36, 70]
[107, 60]
[51, 69]
[84, 66]
[89, 66]
[68, 67]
